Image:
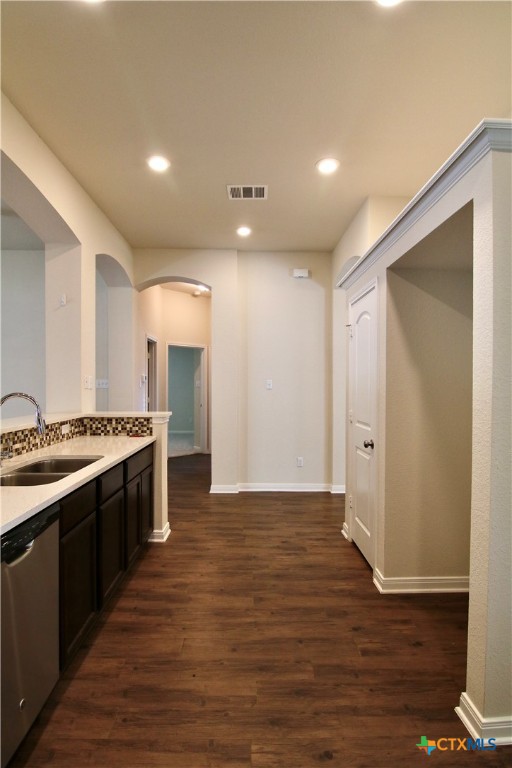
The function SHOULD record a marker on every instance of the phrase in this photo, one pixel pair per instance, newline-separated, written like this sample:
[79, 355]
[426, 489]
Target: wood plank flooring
[255, 638]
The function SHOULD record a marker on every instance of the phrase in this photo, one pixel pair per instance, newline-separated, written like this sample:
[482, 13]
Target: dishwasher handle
[16, 556]
[19, 540]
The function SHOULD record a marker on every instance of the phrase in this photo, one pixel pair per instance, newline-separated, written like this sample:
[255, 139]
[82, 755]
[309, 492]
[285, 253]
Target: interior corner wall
[428, 423]
[285, 354]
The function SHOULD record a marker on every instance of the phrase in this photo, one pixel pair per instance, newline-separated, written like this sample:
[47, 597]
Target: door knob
[369, 444]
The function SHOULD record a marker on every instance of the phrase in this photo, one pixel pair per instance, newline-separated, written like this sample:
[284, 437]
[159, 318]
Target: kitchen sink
[48, 470]
[26, 478]
[63, 464]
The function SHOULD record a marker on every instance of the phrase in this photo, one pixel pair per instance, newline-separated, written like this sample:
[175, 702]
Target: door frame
[373, 285]
[204, 431]
[151, 393]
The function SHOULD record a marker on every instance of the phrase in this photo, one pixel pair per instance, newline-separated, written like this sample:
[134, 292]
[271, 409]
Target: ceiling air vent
[247, 191]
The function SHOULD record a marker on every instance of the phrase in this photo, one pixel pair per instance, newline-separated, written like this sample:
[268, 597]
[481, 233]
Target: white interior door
[362, 419]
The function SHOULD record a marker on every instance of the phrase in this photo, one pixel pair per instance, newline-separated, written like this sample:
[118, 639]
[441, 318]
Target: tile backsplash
[133, 426]
[22, 441]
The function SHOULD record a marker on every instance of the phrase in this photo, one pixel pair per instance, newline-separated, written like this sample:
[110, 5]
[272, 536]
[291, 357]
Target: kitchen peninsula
[113, 436]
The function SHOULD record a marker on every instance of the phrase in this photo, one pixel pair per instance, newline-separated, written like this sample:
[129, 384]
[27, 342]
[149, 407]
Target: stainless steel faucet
[40, 423]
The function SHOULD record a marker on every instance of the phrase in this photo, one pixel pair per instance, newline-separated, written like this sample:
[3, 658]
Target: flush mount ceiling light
[244, 231]
[158, 163]
[327, 165]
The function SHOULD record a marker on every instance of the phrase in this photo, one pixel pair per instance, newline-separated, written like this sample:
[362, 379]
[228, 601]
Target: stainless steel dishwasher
[30, 623]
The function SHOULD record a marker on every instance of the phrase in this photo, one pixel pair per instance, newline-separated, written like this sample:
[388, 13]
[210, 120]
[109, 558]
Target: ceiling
[252, 93]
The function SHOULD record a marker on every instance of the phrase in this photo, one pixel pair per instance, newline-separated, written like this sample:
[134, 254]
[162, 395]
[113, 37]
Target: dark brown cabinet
[146, 503]
[111, 559]
[111, 555]
[103, 526]
[133, 539]
[78, 569]
[138, 501]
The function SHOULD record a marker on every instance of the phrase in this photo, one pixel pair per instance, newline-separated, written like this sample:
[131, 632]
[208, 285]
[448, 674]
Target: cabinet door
[146, 502]
[78, 585]
[132, 519]
[111, 553]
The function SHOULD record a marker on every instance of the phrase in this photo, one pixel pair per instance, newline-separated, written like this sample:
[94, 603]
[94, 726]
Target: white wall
[123, 391]
[23, 336]
[63, 329]
[264, 325]
[150, 323]
[79, 221]
[102, 367]
[285, 337]
[187, 319]
[428, 422]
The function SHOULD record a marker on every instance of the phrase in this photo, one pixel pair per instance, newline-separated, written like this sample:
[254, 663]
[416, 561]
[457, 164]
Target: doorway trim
[369, 288]
[151, 393]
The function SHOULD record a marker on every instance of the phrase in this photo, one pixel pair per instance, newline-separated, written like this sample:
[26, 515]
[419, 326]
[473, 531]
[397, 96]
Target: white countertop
[19, 503]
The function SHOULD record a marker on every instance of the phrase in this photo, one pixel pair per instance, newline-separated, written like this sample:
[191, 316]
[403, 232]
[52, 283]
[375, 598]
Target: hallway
[255, 638]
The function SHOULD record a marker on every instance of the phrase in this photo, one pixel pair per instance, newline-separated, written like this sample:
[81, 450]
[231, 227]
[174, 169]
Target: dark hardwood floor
[255, 637]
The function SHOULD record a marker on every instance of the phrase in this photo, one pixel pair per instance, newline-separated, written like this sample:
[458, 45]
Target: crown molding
[489, 135]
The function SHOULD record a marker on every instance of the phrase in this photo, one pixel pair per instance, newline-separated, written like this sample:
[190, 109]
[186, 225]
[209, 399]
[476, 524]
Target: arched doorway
[175, 314]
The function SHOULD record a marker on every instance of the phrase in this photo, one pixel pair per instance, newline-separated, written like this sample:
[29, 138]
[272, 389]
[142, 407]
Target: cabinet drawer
[77, 506]
[139, 461]
[110, 482]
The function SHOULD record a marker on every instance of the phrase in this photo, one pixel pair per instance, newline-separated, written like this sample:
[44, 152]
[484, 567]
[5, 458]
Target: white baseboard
[224, 489]
[499, 728]
[160, 535]
[277, 488]
[408, 584]
[285, 487]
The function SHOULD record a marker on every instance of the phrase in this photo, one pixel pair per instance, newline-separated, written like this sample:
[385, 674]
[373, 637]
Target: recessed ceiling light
[388, 3]
[158, 163]
[328, 165]
[244, 231]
